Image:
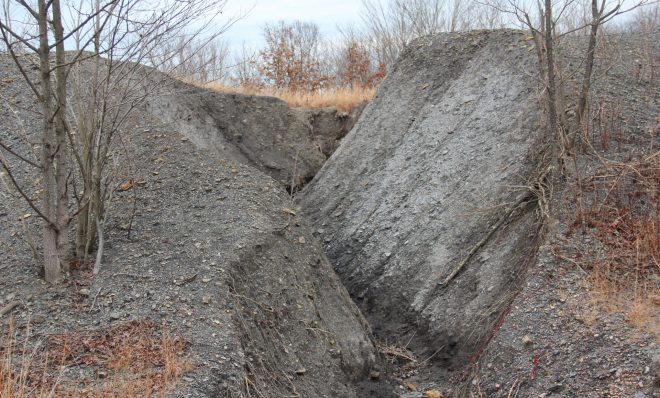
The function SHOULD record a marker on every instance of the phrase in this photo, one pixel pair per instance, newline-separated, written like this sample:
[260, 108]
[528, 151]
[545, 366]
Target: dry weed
[621, 216]
[341, 98]
[138, 358]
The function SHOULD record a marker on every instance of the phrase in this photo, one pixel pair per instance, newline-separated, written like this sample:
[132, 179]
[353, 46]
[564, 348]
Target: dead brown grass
[138, 358]
[341, 98]
[622, 217]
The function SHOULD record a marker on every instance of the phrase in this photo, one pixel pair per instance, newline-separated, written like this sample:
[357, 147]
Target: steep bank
[202, 242]
[289, 144]
[415, 205]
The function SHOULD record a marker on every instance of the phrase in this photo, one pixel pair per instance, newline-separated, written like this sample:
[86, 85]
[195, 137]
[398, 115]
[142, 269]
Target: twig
[133, 210]
[263, 307]
[536, 189]
[293, 176]
[397, 353]
[432, 355]
[127, 274]
[99, 251]
[26, 160]
[94, 301]
[486, 238]
[7, 308]
[571, 261]
[29, 201]
[515, 386]
[187, 279]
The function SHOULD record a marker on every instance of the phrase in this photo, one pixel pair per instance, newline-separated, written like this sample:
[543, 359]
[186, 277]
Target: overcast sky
[327, 14]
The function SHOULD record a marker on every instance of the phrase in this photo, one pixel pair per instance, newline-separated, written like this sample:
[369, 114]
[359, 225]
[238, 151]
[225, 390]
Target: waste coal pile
[424, 209]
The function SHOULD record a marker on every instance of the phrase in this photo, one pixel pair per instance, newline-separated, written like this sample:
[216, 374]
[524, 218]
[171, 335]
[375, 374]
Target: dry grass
[14, 380]
[340, 97]
[622, 218]
[138, 358]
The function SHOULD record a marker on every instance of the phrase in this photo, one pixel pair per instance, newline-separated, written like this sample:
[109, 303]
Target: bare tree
[201, 61]
[548, 23]
[601, 12]
[291, 58]
[392, 24]
[85, 97]
[246, 68]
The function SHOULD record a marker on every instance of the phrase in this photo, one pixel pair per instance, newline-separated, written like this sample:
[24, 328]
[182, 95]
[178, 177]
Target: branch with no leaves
[29, 200]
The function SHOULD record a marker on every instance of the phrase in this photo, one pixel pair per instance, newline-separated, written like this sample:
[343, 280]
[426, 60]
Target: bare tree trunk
[555, 133]
[550, 59]
[61, 157]
[588, 67]
[113, 96]
[85, 226]
[52, 264]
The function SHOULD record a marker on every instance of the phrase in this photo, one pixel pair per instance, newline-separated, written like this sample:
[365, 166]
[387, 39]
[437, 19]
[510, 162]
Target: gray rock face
[422, 178]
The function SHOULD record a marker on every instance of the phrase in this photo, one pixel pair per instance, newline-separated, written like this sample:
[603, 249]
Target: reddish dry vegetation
[138, 358]
[619, 211]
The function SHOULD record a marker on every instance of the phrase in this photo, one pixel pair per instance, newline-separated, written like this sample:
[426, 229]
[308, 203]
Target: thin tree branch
[29, 201]
[31, 163]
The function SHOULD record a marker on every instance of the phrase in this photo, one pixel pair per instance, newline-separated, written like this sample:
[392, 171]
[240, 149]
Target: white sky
[327, 14]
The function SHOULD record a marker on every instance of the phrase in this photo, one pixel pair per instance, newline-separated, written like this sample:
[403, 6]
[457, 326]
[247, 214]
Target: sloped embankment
[415, 206]
[287, 325]
[289, 144]
[204, 244]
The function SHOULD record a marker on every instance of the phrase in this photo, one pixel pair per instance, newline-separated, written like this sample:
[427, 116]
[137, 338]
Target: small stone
[301, 240]
[115, 316]
[433, 394]
[527, 340]
[374, 375]
[102, 374]
[301, 371]
[206, 299]
[556, 387]
[83, 292]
